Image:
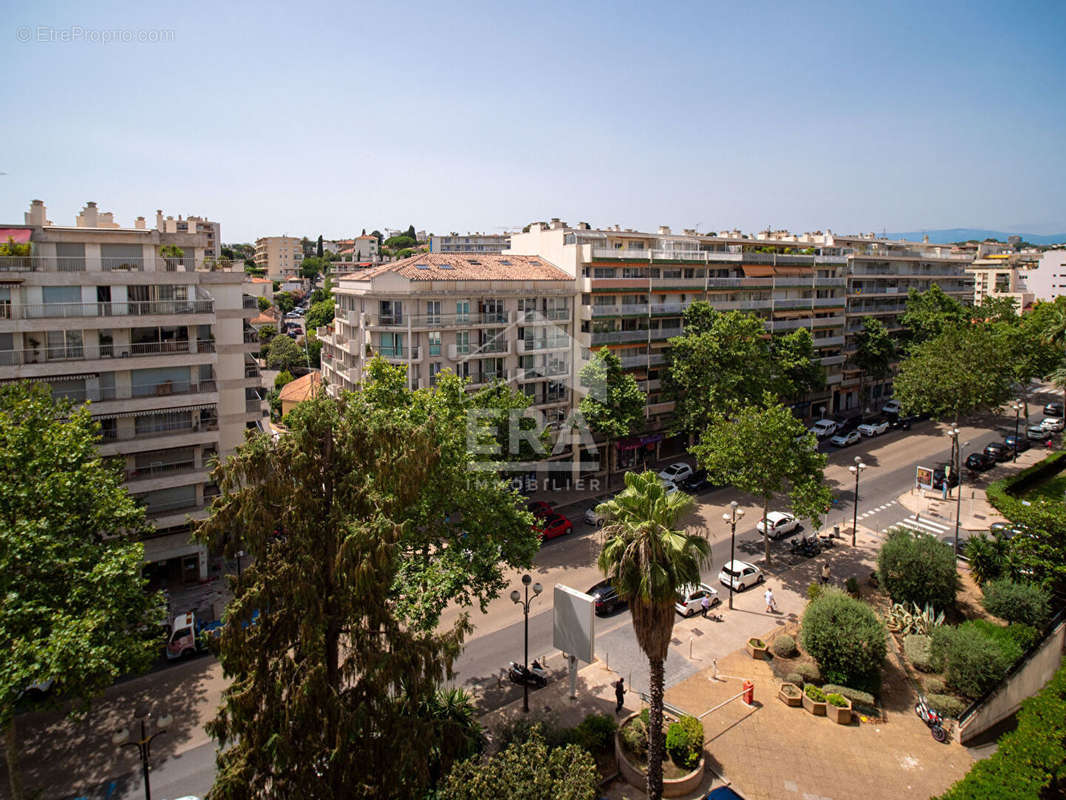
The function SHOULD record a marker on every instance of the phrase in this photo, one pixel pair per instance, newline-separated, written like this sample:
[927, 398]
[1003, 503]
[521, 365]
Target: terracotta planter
[637, 778]
[813, 706]
[755, 651]
[841, 715]
[795, 699]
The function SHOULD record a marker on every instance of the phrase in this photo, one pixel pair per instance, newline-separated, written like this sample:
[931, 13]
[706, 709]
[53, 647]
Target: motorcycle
[825, 540]
[932, 719]
[804, 546]
[535, 675]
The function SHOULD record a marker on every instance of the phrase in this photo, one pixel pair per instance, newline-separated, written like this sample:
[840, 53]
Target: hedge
[784, 646]
[684, 742]
[1030, 762]
[1002, 493]
[972, 662]
[804, 673]
[845, 637]
[947, 705]
[1017, 602]
[854, 695]
[917, 569]
[919, 651]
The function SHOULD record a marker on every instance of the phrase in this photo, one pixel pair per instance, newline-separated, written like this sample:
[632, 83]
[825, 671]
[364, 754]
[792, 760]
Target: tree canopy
[74, 607]
[613, 405]
[929, 313]
[874, 350]
[284, 354]
[798, 371]
[285, 302]
[320, 314]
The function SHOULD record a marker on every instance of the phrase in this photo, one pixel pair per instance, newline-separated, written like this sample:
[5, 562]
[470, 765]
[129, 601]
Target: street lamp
[516, 597]
[855, 470]
[953, 432]
[125, 738]
[736, 512]
[1017, 417]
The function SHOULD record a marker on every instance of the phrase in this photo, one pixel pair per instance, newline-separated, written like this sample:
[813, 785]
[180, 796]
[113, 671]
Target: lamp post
[735, 513]
[953, 432]
[516, 597]
[855, 470]
[125, 738]
[1017, 417]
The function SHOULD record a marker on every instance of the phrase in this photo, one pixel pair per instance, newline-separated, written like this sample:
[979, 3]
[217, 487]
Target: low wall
[1020, 685]
[672, 787]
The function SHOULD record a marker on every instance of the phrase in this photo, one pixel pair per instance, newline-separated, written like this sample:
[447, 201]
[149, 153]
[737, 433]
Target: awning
[18, 235]
[150, 411]
[52, 378]
[757, 270]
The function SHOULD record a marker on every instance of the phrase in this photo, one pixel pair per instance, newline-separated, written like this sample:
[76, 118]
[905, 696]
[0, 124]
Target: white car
[891, 407]
[781, 523]
[845, 439]
[740, 574]
[592, 518]
[869, 429]
[690, 599]
[675, 473]
[1052, 423]
[824, 427]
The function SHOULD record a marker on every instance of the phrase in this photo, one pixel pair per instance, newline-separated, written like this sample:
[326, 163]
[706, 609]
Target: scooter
[804, 546]
[535, 676]
[932, 719]
[825, 540]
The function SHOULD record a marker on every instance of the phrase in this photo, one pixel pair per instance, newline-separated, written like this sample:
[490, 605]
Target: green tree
[377, 235]
[411, 232]
[282, 378]
[285, 302]
[313, 349]
[526, 770]
[364, 524]
[917, 569]
[74, 607]
[320, 314]
[263, 303]
[266, 334]
[503, 407]
[285, 354]
[929, 313]
[400, 242]
[318, 248]
[997, 309]
[647, 559]
[313, 266]
[798, 370]
[722, 362]
[765, 450]
[613, 405]
[845, 637]
[874, 353]
[1040, 557]
[1052, 319]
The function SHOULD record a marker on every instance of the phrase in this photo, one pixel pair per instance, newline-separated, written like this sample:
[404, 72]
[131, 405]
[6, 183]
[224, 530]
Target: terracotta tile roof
[469, 267]
[261, 280]
[302, 388]
[268, 317]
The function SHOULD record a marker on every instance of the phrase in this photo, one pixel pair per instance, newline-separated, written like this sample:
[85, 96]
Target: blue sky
[312, 118]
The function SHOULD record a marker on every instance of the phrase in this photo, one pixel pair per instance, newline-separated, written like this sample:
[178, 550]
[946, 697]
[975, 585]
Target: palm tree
[647, 560]
[1058, 377]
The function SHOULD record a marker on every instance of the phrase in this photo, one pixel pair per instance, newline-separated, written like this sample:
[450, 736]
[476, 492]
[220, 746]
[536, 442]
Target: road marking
[923, 526]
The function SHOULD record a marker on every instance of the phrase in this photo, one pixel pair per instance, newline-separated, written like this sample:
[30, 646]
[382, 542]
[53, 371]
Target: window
[603, 272]
[391, 345]
[391, 312]
[462, 311]
[434, 344]
[434, 370]
[462, 343]
[433, 312]
[63, 345]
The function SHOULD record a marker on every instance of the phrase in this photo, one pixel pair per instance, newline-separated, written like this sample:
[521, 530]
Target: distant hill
[948, 235]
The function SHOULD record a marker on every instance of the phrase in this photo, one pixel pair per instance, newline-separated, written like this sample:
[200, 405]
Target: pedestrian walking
[705, 604]
[825, 573]
[619, 694]
[771, 604]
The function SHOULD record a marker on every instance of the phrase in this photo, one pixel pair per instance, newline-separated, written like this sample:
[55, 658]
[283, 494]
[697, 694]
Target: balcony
[829, 341]
[137, 391]
[251, 337]
[163, 508]
[543, 372]
[481, 378]
[434, 320]
[830, 361]
[614, 254]
[162, 468]
[636, 309]
[113, 309]
[552, 315]
[643, 360]
[538, 345]
[805, 322]
[248, 301]
[398, 353]
[93, 263]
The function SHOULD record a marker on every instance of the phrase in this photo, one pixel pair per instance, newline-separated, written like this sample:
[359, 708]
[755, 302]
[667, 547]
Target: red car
[553, 526]
[540, 509]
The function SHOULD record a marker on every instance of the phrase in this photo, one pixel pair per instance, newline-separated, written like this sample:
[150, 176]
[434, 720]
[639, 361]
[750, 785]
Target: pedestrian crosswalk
[923, 525]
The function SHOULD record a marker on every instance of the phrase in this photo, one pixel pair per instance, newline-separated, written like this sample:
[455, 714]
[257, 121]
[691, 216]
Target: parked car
[1053, 410]
[846, 439]
[1036, 433]
[904, 423]
[292, 315]
[607, 599]
[979, 462]
[998, 451]
[869, 429]
[1050, 424]
[697, 482]
[824, 427]
[690, 599]
[1019, 443]
[848, 425]
[553, 526]
[187, 635]
[940, 471]
[740, 574]
[592, 518]
[781, 523]
[891, 407]
[950, 542]
[677, 472]
[540, 509]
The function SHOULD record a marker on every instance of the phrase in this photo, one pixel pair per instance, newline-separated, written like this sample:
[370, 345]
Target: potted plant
[757, 648]
[838, 708]
[790, 694]
[814, 700]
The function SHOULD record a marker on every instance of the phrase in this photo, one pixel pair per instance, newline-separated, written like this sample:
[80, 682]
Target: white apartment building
[157, 344]
[1048, 279]
[1004, 274]
[280, 256]
[365, 248]
[470, 243]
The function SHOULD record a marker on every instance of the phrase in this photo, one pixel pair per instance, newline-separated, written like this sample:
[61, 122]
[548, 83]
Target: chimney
[557, 224]
[159, 224]
[139, 223]
[171, 225]
[89, 216]
[664, 230]
[583, 226]
[37, 215]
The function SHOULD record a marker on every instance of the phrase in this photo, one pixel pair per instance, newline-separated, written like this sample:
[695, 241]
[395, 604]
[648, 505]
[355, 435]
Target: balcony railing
[157, 509]
[113, 309]
[153, 348]
[643, 360]
[248, 301]
[554, 314]
[162, 429]
[611, 253]
[90, 263]
[155, 470]
[534, 345]
[433, 320]
[251, 337]
[136, 391]
[398, 352]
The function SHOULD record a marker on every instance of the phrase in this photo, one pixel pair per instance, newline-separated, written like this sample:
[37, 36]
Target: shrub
[596, 732]
[987, 557]
[814, 590]
[1008, 641]
[1017, 602]
[919, 651]
[837, 700]
[805, 673]
[759, 643]
[684, 742]
[934, 685]
[947, 705]
[854, 695]
[845, 637]
[917, 569]
[784, 646]
[972, 662]
[813, 692]
[635, 738]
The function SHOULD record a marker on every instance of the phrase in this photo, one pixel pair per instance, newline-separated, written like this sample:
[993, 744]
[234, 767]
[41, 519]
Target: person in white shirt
[771, 605]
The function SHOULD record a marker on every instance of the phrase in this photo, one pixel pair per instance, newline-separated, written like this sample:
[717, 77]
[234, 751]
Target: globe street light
[736, 512]
[1017, 417]
[855, 470]
[125, 738]
[516, 597]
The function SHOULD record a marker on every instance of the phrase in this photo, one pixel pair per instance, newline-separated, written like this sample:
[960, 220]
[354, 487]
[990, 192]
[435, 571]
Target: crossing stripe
[923, 526]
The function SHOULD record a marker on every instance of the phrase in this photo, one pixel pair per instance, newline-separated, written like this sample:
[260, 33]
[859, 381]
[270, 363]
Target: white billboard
[574, 623]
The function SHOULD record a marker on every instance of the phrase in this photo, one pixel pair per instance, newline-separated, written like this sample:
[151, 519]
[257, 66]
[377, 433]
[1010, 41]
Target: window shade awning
[151, 411]
[18, 235]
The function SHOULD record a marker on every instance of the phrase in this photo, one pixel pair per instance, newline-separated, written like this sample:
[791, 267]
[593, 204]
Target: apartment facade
[157, 345]
[1004, 275]
[1047, 279]
[280, 256]
[469, 243]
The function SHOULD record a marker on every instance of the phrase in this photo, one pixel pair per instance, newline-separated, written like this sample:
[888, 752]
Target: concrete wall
[1019, 686]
